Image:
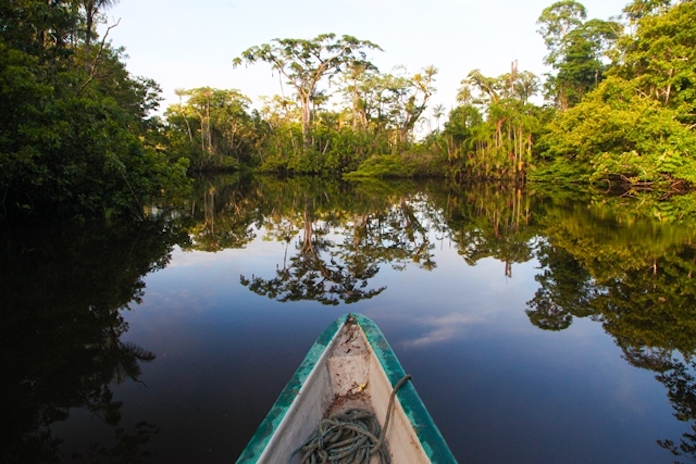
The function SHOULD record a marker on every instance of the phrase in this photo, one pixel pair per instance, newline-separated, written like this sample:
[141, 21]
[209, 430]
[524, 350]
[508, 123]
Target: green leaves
[577, 50]
[624, 136]
[305, 63]
[659, 57]
[73, 137]
[555, 22]
[635, 128]
[383, 166]
[500, 146]
[212, 129]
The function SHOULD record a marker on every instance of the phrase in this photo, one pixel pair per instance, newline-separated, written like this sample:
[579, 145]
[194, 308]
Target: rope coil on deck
[351, 436]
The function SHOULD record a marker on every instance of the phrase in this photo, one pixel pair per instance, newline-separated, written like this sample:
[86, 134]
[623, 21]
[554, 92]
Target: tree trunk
[306, 118]
[89, 21]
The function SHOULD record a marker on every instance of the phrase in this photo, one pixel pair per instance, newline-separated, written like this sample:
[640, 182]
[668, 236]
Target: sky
[187, 44]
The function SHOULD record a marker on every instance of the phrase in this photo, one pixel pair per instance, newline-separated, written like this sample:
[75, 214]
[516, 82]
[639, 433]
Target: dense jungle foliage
[77, 134]
[618, 109]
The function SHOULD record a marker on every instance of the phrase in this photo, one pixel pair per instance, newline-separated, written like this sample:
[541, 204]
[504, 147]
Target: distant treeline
[619, 109]
[77, 133]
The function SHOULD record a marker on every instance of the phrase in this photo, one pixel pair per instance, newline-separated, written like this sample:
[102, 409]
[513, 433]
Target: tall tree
[438, 113]
[305, 63]
[359, 86]
[402, 99]
[500, 146]
[635, 129]
[555, 22]
[72, 140]
[577, 50]
[639, 9]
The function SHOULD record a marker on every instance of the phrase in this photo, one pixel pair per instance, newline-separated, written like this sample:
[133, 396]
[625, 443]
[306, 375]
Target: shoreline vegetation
[78, 135]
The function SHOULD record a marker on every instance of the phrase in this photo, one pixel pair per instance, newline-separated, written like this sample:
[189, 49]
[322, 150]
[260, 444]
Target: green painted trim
[429, 435]
[260, 439]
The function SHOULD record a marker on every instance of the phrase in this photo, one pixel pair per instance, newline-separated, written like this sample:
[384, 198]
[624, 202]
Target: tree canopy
[304, 63]
[78, 133]
[75, 125]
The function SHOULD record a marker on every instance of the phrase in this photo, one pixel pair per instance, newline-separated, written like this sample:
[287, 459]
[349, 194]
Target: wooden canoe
[350, 365]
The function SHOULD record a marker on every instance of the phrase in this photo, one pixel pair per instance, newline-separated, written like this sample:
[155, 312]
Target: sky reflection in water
[499, 388]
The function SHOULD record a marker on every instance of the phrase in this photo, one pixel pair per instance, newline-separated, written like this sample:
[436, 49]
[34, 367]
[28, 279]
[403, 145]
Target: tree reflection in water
[310, 276]
[490, 221]
[220, 214]
[607, 262]
[375, 231]
[64, 288]
[638, 282]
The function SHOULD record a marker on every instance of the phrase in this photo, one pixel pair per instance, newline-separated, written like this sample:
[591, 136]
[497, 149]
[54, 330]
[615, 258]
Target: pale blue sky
[187, 44]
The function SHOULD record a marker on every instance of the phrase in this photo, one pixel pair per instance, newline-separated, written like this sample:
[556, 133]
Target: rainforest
[528, 248]
[81, 135]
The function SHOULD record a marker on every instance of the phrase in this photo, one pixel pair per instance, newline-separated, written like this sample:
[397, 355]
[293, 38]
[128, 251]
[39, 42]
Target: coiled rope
[351, 436]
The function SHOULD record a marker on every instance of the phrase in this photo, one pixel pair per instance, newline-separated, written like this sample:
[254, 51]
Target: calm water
[538, 328]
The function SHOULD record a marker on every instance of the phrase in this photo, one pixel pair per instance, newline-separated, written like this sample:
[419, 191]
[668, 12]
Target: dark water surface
[538, 327]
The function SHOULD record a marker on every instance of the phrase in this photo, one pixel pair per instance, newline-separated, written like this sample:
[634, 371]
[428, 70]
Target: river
[538, 326]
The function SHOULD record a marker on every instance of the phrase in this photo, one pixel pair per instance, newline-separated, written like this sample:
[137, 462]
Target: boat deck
[351, 365]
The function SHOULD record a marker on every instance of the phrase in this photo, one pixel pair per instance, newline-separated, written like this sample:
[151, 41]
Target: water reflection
[64, 288]
[637, 282]
[490, 220]
[220, 214]
[338, 244]
[320, 270]
[606, 260]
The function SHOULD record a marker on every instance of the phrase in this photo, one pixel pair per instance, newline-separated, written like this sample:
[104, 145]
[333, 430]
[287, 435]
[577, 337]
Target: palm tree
[438, 112]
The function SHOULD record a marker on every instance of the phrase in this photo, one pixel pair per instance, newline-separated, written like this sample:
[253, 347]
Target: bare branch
[95, 62]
